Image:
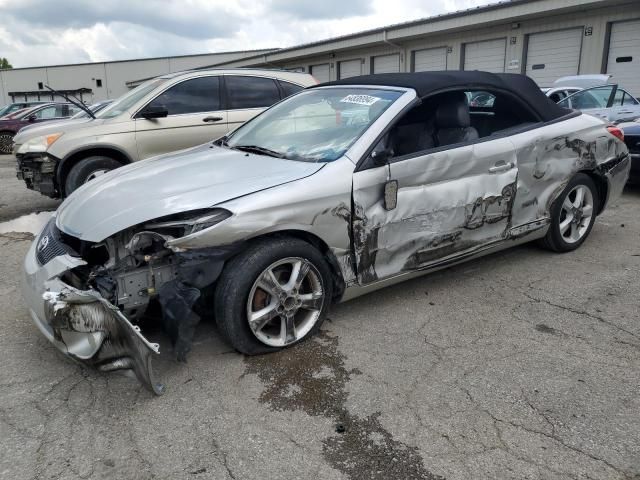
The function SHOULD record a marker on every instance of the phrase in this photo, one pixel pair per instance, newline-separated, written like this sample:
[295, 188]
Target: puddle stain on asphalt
[311, 377]
[541, 327]
[32, 223]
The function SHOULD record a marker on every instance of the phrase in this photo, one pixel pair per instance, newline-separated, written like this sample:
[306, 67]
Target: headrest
[453, 111]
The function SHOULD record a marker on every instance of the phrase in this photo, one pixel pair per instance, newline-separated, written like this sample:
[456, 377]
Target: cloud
[46, 32]
[185, 18]
[326, 9]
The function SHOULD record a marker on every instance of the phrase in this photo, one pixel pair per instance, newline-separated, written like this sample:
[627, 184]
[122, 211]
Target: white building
[544, 39]
[99, 81]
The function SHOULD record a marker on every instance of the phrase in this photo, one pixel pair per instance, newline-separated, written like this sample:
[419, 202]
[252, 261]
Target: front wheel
[6, 142]
[275, 294]
[572, 215]
[86, 170]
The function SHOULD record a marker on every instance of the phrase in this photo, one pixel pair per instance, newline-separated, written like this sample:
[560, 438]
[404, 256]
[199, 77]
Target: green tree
[4, 63]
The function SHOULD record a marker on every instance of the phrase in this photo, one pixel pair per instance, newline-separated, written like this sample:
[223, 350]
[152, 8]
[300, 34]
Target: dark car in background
[632, 139]
[82, 114]
[15, 106]
[40, 113]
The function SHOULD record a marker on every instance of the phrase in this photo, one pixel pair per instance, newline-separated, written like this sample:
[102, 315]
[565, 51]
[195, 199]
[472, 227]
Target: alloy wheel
[285, 302]
[576, 214]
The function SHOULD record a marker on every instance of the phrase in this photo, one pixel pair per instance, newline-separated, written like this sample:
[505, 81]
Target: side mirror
[381, 157]
[154, 111]
[32, 118]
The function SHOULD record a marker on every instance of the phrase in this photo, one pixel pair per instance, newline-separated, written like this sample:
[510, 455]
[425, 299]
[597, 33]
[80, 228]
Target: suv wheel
[86, 170]
[6, 142]
[273, 295]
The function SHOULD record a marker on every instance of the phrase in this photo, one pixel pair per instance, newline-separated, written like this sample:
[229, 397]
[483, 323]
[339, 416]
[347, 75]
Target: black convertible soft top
[427, 83]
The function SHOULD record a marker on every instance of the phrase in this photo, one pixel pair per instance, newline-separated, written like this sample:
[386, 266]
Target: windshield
[129, 99]
[6, 109]
[316, 125]
[23, 113]
[597, 97]
[95, 108]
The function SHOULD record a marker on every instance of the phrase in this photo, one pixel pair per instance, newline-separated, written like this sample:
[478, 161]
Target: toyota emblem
[42, 244]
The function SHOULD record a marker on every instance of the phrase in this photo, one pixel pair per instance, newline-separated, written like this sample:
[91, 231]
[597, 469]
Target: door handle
[501, 167]
[212, 119]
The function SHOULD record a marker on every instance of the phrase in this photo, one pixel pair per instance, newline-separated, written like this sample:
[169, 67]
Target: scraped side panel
[448, 203]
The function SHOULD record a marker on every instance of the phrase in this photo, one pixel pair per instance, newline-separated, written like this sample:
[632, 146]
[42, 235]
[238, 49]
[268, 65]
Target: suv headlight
[39, 144]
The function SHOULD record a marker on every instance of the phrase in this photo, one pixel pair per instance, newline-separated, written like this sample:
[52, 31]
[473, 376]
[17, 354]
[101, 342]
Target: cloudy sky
[45, 32]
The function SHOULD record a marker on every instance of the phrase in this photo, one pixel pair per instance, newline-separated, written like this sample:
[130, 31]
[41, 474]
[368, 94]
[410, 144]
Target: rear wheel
[86, 170]
[572, 215]
[272, 296]
[6, 142]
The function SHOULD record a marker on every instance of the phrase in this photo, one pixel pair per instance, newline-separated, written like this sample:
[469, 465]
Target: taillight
[616, 132]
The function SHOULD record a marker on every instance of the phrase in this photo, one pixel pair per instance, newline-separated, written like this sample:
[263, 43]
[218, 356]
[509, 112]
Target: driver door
[432, 207]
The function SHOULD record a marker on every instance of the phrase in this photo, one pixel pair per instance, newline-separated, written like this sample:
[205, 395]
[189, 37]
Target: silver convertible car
[334, 192]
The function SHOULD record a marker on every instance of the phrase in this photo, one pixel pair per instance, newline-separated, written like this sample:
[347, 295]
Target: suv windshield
[129, 99]
[316, 125]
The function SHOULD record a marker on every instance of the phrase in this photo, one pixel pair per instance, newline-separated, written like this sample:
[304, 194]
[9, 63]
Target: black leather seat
[453, 122]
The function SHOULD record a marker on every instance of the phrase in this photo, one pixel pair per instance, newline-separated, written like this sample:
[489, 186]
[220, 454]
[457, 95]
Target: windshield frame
[359, 142]
[157, 81]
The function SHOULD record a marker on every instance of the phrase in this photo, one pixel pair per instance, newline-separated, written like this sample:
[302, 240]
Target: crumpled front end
[87, 297]
[81, 323]
[37, 170]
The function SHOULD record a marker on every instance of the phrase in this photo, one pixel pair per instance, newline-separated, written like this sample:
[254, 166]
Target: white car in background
[565, 86]
[593, 94]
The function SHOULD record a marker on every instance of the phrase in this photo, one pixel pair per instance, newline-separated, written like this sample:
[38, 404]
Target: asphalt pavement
[521, 365]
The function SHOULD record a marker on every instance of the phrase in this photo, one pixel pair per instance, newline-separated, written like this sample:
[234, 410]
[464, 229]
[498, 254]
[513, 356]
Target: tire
[243, 278]
[87, 169]
[571, 218]
[6, 143]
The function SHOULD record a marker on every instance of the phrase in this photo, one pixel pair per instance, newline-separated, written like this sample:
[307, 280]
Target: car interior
[447, 119]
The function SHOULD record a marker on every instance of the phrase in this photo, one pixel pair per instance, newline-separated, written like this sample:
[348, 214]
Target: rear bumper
[83, 325]
[38, 172]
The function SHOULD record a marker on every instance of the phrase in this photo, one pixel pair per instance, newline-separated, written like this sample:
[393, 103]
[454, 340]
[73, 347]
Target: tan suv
[168, 113]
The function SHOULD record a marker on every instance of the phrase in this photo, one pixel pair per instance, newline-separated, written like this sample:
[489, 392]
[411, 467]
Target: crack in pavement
[551, 436]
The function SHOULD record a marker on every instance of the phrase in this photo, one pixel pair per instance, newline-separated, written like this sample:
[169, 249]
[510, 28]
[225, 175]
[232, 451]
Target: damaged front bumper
[82, 324]
[38, 172]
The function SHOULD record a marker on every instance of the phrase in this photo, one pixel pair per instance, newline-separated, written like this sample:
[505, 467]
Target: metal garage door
[430, 59]
[624, 55]
[320, 72]
[386, 63]
[488, 55]
[551, 55]
[350, 68]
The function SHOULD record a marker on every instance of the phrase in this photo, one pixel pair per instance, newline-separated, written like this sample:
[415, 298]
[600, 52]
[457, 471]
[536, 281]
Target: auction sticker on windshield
[367, 100]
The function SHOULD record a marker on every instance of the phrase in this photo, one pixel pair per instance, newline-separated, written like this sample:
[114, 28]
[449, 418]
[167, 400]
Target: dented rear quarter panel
[548, 157]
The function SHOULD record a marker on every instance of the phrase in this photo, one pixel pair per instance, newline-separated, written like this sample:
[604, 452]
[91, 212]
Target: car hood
[51, 126]
[191, 179]
[54, 126]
